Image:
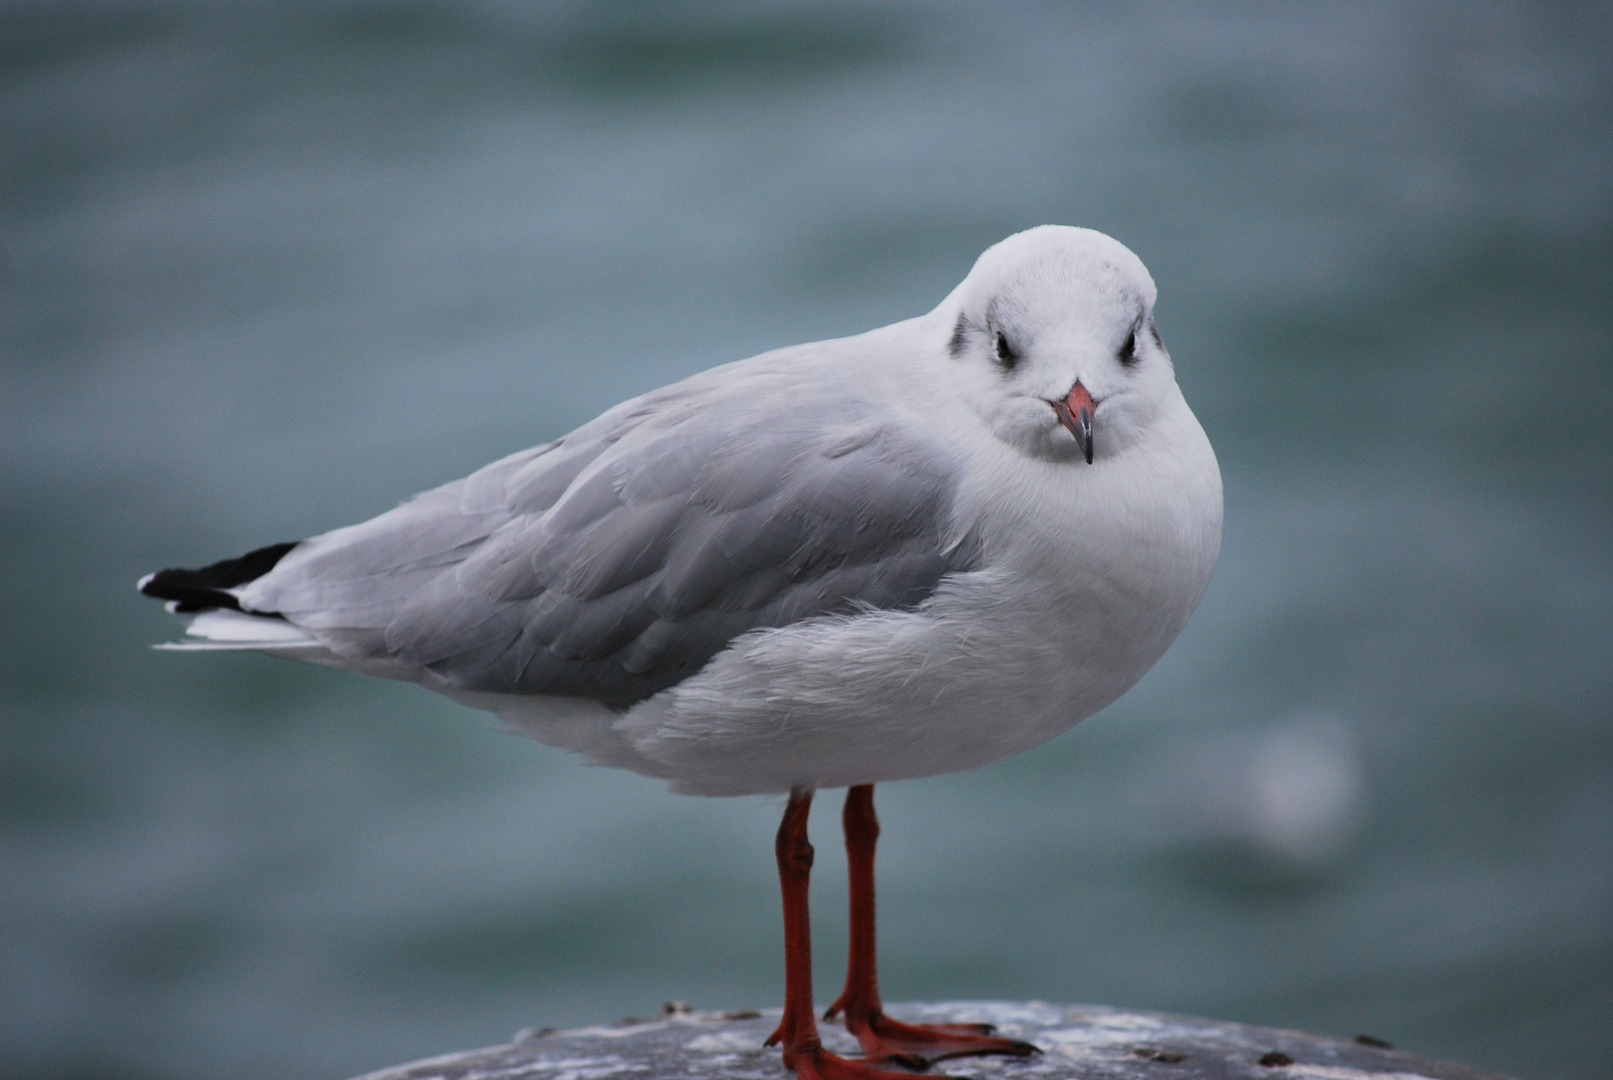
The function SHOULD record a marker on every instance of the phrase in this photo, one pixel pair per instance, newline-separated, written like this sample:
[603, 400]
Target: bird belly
[973, 676]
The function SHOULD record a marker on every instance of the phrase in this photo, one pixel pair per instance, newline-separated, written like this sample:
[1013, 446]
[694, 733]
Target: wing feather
[618, 560]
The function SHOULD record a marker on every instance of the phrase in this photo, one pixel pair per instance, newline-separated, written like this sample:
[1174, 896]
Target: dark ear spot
[1006, 356]
[960, 337]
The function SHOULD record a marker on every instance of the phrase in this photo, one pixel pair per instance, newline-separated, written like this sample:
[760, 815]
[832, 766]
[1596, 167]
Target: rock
[1089, 1042]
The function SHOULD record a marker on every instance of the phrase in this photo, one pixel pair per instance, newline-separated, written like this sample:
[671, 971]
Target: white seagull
[904, 553]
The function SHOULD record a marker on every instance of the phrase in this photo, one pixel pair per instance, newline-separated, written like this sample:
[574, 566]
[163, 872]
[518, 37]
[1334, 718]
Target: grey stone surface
[1086, 1041]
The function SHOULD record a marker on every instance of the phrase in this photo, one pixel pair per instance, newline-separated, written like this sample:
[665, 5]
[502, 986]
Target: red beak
[1075, 413]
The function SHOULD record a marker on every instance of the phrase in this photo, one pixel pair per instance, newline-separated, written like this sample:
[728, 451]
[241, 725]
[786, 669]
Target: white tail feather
[225, 629]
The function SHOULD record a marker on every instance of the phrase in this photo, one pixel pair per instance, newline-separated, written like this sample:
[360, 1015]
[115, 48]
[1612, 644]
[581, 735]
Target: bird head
[1053, 344]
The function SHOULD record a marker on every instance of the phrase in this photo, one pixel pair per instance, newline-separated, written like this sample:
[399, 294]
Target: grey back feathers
[617, 561]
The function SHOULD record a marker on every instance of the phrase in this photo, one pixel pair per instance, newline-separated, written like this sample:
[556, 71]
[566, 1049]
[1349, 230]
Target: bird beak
[1075, 413]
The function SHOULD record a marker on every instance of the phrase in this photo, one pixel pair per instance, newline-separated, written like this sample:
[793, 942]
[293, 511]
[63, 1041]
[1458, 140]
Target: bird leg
[914, 1045]
[798, 1031]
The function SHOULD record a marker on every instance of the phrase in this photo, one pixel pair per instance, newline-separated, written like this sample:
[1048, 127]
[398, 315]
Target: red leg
[915, 1045]
[798, 1031]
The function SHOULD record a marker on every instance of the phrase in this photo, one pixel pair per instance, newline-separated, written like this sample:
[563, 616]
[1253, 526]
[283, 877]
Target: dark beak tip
[1077, 423]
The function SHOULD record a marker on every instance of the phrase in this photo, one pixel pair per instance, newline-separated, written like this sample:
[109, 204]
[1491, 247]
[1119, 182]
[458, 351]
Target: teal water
[265, 269]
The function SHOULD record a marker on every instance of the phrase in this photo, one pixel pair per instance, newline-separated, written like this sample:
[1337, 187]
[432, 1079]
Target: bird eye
[1006, 356]
[1128, 351]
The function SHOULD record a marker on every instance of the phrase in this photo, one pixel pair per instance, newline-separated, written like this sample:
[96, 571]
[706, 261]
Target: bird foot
[918, 1046]
[819, 1064]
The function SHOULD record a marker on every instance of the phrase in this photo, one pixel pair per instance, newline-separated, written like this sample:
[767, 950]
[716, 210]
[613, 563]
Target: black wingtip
[205, 588]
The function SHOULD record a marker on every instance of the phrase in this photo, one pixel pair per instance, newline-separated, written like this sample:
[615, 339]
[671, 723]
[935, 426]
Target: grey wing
[618, 561]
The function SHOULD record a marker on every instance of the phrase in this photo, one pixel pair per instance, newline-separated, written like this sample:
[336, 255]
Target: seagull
[909, 552]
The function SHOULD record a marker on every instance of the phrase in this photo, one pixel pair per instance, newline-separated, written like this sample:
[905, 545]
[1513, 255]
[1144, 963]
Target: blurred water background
[265, 269]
